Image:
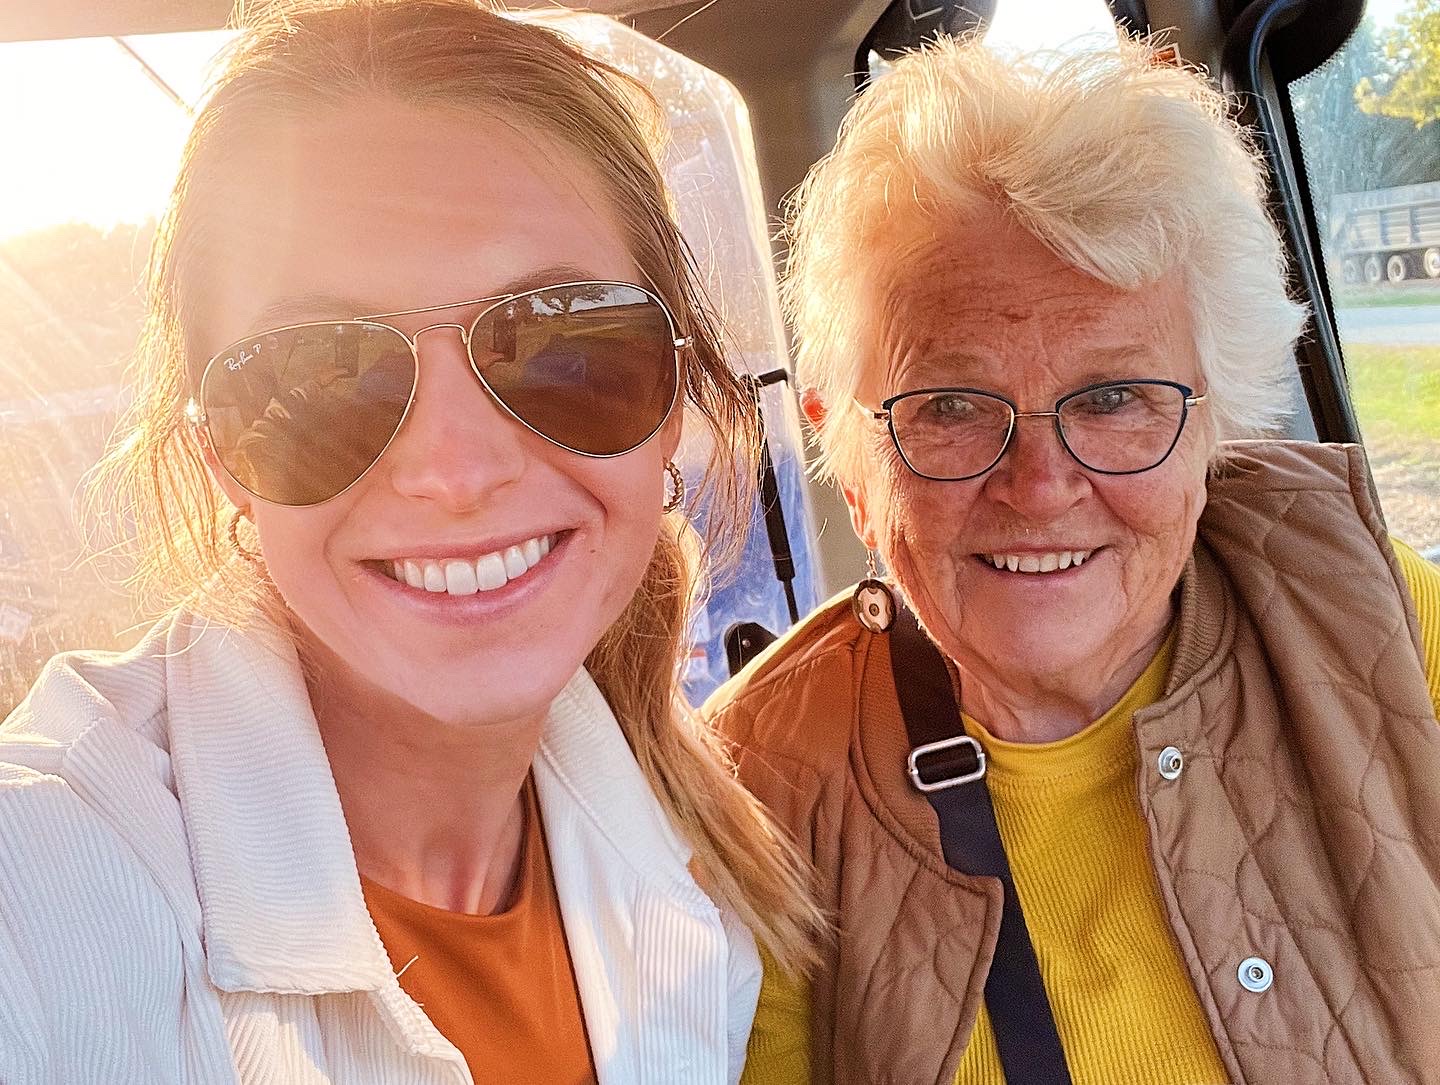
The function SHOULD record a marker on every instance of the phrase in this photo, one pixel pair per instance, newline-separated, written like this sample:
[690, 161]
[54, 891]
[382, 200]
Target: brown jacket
[1304, 828]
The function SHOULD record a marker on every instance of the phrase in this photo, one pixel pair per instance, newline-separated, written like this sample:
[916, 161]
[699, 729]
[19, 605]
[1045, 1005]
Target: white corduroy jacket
[179, 901]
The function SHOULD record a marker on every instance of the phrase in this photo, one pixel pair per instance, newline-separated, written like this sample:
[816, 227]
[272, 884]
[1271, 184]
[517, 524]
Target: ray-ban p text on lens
[298, 414]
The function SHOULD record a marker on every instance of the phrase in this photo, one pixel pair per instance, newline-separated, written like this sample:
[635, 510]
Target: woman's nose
[457, 446]
[1037, 476]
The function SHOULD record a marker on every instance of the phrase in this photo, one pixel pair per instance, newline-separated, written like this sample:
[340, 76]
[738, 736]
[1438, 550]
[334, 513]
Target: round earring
[233, 531]
[677, 488]
[873, 602]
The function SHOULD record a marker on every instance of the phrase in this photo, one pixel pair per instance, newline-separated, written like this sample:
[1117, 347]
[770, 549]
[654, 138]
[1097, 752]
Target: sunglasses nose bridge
[461, 328]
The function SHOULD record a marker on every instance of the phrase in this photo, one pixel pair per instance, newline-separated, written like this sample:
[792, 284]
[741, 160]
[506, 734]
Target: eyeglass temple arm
[870, 412]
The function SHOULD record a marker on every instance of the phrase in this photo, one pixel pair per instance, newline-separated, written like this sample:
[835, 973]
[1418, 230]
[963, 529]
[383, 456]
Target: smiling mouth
[470, 576]
[1052, 562]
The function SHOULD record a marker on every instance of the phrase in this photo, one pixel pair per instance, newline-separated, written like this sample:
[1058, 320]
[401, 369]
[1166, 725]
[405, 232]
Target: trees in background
[1409, 85]
[1352, 136]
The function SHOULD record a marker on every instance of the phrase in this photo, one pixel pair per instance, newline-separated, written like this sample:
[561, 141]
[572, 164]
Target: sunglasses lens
[590, 366]
[299, 414]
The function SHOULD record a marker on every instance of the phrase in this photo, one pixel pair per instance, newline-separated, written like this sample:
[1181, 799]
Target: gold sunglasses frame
[199, 421]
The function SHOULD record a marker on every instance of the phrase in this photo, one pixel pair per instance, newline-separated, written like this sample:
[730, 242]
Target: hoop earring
[873, 602]
[233, 531]
[677, 488]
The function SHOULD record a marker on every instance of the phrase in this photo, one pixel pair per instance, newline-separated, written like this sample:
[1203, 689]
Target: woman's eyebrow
[1119, 355]
[306, 308]
[553, 275]
[1111, 363]
[321, 307]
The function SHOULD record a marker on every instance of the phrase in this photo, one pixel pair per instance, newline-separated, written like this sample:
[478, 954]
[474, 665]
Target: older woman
[1153, 797]
[399, 790]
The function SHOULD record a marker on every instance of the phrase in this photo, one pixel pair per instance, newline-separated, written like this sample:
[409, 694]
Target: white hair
[1129, 168]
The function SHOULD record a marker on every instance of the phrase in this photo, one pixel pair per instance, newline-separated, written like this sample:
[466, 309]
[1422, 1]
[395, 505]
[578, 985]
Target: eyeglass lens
[589, 366]
[298, 414]
[1114, 428]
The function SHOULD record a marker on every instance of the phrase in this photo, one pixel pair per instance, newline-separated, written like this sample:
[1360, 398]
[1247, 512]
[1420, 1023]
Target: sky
[91, 139]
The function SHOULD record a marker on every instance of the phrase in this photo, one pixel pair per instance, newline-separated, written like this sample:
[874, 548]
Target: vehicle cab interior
[95, 101]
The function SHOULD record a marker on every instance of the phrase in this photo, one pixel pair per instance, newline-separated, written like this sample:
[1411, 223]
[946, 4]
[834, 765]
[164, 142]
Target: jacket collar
[282, 909]
[668, 982]
[274, 869]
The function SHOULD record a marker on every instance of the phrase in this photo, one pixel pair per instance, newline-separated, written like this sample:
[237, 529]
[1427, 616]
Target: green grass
[1396, 390]
[1419, 292]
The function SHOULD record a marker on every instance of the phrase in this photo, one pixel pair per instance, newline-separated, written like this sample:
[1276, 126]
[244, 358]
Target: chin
[477, 688]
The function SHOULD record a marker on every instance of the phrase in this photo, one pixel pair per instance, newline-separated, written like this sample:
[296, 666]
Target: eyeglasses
[1111, 428]
[298, 414]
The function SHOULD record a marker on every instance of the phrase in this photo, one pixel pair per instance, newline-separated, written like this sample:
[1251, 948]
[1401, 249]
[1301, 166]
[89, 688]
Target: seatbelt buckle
[947, 763]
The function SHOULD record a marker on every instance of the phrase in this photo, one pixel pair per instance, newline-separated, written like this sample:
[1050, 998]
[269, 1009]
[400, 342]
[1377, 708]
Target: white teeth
[490, 572]
[456, 576]
[1038, 563]
[434, 576]
[460, 578]
[514, 562]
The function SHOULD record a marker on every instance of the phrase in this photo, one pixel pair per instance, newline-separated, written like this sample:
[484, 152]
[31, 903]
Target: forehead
[987, 302]
[393, 207]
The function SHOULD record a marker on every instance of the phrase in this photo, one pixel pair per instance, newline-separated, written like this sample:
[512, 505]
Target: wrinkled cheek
[891, 515]
[919, 539]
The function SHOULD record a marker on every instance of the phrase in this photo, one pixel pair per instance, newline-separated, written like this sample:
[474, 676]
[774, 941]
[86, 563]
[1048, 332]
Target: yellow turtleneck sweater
[1076, 841]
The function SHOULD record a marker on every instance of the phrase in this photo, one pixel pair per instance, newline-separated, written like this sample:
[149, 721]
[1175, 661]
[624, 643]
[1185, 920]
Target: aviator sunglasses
[298, 414]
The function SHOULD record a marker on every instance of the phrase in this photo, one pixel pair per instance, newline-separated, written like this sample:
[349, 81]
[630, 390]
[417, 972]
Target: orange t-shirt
[500, 987]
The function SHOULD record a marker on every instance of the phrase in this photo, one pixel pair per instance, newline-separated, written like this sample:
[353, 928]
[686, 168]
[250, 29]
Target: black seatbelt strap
[948, 766]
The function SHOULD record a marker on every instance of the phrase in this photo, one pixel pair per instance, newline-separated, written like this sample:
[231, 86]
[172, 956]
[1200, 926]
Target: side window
[1369, 127]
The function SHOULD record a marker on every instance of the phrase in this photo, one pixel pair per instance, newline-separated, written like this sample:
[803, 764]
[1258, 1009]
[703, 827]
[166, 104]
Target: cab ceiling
[796, 20]
[792, 60]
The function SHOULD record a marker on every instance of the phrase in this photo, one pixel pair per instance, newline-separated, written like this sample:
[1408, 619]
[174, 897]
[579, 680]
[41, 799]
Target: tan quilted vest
[1304, 828]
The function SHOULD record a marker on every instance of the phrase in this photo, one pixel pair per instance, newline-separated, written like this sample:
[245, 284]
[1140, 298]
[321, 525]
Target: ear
[670, 433]
[813, 407]
[857, 500]
[233, 491]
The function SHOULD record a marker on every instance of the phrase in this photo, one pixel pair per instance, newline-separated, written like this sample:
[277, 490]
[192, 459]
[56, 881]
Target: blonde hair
[1127, 167]
[290, 62]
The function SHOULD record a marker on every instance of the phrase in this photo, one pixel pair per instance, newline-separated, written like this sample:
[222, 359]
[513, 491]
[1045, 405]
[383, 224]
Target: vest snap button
[1256, 975]
[1171, 762]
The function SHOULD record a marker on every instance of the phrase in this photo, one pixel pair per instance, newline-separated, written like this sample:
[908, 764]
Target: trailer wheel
[1350, 270]
[1397, 269]
[1374, 270]
[1431, 262]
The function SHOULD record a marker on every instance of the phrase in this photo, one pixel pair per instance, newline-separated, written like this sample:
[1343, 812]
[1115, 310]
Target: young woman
[399, 790]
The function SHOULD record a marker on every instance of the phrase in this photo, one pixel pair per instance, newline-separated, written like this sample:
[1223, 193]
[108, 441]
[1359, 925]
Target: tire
[1374, 270]
[1350, 270]
[1430, 262]
[1397, 268]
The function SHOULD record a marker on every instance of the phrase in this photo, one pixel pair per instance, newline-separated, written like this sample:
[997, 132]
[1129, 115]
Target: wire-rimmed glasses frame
[196, 414]
[1188, 398]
